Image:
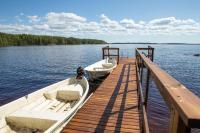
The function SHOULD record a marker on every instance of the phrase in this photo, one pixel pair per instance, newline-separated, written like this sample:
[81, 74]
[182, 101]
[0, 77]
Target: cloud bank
[71, 24]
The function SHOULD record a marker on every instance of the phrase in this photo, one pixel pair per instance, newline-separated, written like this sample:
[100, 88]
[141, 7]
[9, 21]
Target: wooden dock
[114, 105]
[119, 103]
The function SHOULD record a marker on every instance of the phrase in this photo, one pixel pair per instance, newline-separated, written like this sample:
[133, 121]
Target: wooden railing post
[138, 82]
[108, 52]
[102, 53]
[139, 63]
[147, 87]
[152, 56]
[141, 73]
[150, 53]
[118, 56]
[176, 124]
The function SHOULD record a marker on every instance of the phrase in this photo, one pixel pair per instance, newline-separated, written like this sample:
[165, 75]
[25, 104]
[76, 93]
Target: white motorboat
[45, 110]
[101, 68]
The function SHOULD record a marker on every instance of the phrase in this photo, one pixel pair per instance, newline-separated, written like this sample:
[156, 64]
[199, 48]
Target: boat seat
[107, 65]
[34, 119]
[71, 92]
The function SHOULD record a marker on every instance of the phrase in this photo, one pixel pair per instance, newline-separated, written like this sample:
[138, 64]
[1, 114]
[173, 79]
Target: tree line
[28, 39]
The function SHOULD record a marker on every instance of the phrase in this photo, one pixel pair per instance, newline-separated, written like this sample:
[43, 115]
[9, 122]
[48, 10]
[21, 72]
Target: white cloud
[64, 23]
[71, 24]
[63, 18]
[41, 27]
[92, 27]
[16, 28]
[110, 26]
[162, 21]
[130, 24]
[34, 18]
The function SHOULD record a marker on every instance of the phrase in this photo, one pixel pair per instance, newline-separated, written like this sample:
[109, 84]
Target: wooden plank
[114, 105]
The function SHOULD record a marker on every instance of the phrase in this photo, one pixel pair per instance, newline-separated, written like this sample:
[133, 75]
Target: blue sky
[111, 20]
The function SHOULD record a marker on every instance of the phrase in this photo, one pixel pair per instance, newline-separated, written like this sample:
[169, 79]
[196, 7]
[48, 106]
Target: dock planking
[114, 105]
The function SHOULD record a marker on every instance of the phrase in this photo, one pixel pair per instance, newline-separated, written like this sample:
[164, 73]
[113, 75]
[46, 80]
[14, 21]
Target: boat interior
[105, 64]
[40, 110]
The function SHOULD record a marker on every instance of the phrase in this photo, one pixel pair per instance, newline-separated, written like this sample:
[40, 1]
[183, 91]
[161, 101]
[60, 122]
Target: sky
[110, 20]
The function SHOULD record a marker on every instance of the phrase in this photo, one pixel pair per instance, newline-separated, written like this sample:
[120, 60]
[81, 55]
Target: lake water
[26, 69]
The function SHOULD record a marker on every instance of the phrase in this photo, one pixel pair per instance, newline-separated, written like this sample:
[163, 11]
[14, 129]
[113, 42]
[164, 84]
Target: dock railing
[110, 52]
[184, 106]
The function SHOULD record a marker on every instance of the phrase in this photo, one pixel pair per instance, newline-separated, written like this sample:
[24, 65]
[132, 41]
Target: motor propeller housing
[79, 72]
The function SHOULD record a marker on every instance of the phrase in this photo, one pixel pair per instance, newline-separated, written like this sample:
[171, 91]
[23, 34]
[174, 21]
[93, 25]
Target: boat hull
[41, 111]
[96, 75]
[99, 69]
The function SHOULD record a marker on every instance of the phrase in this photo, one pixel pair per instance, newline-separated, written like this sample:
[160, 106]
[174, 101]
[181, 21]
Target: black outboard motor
[80, 73]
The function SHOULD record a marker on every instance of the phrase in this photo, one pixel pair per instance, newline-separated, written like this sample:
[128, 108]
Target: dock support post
[141, 74]
[103, 53]
[118, 56]
[139, 63]
[152, 58]
[108, 52]
[138, 93]
[147, 87]
[150, 53]
[176, 124]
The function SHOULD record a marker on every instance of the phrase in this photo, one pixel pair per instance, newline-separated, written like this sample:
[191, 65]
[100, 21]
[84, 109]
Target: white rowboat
[44, 110]
[101, 68]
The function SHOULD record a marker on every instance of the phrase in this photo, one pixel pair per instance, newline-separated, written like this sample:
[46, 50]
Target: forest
[28, 39]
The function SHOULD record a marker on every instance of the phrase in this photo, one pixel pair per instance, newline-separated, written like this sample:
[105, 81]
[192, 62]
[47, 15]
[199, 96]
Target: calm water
[28, 68]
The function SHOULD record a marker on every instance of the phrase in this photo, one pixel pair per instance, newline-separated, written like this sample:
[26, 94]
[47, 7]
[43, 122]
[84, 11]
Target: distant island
[28, 39]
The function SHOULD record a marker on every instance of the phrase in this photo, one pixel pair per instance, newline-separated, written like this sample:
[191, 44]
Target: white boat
[45, 110]
[101, 68]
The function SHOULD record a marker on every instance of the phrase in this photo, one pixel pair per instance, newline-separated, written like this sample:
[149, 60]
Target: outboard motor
[80, 73]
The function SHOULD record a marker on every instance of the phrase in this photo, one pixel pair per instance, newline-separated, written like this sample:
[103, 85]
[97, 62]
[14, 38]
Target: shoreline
[177, 44]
